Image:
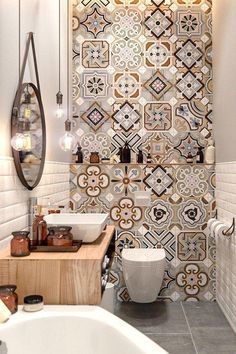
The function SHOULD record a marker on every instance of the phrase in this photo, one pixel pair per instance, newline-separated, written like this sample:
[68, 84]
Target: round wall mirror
[28, 125]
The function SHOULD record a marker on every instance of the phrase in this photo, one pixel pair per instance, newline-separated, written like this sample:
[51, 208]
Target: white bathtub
[72, 330]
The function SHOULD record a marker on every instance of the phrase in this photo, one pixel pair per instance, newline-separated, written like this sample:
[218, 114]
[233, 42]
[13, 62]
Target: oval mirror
[28, 119]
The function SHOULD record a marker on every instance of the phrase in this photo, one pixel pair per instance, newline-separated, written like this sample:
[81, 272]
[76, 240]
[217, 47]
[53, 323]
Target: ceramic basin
[85, 227]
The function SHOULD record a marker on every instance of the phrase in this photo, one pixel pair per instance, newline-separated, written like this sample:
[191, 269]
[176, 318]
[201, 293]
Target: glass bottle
[39, 231]
[79, 155]
[20, 244]
[60, 236]
[9, 297]
[140, 156]
[126, 153]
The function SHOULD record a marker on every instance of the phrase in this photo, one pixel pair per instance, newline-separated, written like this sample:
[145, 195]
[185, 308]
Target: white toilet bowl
[143, 270]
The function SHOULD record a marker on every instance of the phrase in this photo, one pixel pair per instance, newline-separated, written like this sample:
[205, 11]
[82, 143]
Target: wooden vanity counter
[62, 278]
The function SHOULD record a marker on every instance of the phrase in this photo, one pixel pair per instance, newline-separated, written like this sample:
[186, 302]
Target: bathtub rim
[89, 312]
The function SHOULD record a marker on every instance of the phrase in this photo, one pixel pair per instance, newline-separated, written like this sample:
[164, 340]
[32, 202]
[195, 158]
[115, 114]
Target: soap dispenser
[79, 155]
[210, 152]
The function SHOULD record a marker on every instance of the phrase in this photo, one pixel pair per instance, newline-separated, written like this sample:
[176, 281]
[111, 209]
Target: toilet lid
[143, 254]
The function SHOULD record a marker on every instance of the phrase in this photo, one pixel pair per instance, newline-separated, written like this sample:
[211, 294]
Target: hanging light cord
[19, 31]
[68, 62]
[59, 48]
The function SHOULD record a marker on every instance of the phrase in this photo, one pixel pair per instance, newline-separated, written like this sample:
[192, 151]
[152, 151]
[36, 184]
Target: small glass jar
[60, 236]
[20, 244]
[94, 157]
[9, 297]
[33, 303]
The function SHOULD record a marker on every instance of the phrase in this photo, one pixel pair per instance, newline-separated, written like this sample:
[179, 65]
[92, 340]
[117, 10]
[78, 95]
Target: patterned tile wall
[143, 74]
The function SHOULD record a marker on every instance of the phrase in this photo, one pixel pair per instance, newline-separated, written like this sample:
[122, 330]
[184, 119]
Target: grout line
[186, 319]
[168, 333]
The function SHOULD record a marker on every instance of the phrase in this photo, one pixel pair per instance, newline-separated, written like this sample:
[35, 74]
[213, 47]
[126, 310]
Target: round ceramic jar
[9, 297]
[33, 303]
[60, 236]
[20, 244]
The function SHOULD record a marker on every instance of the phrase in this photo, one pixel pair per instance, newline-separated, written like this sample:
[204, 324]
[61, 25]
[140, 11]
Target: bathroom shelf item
[74, 248]
[62, 278]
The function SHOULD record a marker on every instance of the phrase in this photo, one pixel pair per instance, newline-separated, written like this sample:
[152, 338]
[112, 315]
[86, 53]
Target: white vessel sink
[85, 227]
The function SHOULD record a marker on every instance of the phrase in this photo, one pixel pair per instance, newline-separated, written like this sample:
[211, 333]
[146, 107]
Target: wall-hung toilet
[143, 270]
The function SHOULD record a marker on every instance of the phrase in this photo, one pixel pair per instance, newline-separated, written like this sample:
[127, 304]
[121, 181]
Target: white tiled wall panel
[226, 247]
[14, 197]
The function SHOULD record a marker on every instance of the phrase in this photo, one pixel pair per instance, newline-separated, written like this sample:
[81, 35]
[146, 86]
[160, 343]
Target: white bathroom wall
[224, 59]
[40, 17]
[14, 197]
[226, 247]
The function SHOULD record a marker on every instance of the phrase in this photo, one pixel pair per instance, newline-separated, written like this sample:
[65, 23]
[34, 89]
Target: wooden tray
[74, 248]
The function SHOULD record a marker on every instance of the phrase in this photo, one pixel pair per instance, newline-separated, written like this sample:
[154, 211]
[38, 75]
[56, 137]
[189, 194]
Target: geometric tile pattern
[181, 202]
[95, 116]
[142, 73]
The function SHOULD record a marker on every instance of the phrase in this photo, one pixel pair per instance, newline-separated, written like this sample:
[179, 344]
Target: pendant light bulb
[23, 140]
[68, 141]
[18, 142]
[59, 112]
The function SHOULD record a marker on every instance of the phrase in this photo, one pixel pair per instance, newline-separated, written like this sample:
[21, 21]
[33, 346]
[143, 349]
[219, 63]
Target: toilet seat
[143, 256]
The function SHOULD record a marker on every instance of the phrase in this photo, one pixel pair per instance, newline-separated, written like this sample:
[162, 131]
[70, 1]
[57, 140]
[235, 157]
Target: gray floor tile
[157, 317]
[214, 340]
[204, 314]
[174, 343]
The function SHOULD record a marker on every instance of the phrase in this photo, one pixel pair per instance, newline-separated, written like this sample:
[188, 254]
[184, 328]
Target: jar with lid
[20, 244]
[60, 236]
[9, 297]
[94, 157]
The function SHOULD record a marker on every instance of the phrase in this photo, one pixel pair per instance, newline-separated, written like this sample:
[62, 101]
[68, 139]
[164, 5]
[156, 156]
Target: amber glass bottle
[39, 231]
[9, 297]
[20, 244]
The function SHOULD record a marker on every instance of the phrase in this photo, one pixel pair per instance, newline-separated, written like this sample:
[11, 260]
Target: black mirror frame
[14, 120]
[14, 117]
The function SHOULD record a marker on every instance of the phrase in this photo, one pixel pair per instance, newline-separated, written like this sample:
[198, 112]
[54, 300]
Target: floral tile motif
[157, 85]
[188, 145]
[189, 23]
[95, 117]
[126, 117]
[127, 22]
[90, 2]
[125, 214]
[93, 181]
[158, 180]
[190, 116]
[127, 85]
[158, 23]
[126, 54]
[192, 181]
[91, 142]
[158, 54]
[159, 215]
[95, 85]
[192, 279]
[191, 246]
[157, 116]
[95, 54]
[126, 180]
[192, 213]
[95, 21]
